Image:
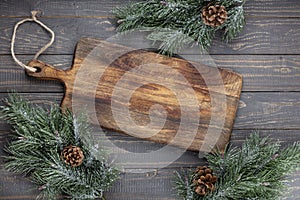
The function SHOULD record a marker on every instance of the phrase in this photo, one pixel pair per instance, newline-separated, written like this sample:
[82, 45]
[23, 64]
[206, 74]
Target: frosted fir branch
[76, 131]
[234, 24]
[36, 151]
[183, 16]
[170, 40]
[257, 170]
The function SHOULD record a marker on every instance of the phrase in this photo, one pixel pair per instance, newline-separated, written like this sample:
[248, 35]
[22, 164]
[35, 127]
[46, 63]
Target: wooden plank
[268, 111]
[263, 72]
[94, 8]
[273, 8]
[285, 137]
[260, 36]
[260, 72]
[86, 8]
[257, 110]
[155, 185]
[263, 36]
[129, 187]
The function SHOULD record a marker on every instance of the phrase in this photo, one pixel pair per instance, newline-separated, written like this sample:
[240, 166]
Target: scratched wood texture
[266, 53]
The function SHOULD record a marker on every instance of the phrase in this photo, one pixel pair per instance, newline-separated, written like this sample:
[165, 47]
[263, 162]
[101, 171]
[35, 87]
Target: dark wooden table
[266, 53]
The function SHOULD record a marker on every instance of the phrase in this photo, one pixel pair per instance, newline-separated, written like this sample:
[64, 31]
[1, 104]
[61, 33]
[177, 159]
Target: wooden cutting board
[102, 67]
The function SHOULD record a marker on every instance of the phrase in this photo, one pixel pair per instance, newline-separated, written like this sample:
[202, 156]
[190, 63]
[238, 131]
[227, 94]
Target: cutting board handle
[46, 71]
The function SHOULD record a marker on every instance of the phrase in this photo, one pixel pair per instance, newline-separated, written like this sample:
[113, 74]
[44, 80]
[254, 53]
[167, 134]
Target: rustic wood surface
[266, 53]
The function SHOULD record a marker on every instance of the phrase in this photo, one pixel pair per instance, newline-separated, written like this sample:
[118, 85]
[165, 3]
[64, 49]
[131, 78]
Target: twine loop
[44, 48]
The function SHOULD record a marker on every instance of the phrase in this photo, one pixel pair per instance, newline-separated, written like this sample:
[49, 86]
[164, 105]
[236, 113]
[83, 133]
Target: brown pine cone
[204, 180]
[214, 15]
[72, 155]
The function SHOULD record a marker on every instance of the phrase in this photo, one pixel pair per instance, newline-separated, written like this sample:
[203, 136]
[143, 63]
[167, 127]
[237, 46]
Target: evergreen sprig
[39, 137]
[176, 23]
[257, 170]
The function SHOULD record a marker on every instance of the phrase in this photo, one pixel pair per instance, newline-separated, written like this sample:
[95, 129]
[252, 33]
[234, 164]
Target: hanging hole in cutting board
[38, 69]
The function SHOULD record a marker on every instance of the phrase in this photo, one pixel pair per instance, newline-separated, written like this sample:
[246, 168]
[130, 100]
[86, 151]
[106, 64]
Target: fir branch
[183, 185]
[256, 170]
[234, 24]
[39, 138]
[177, 23]
[171, 40]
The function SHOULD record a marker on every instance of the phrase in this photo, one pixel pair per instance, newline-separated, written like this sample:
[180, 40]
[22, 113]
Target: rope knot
[33, 14]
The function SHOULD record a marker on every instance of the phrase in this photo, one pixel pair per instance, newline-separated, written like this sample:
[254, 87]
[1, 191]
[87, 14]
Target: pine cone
[204, 180]
[72, 155]
[214, 15]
